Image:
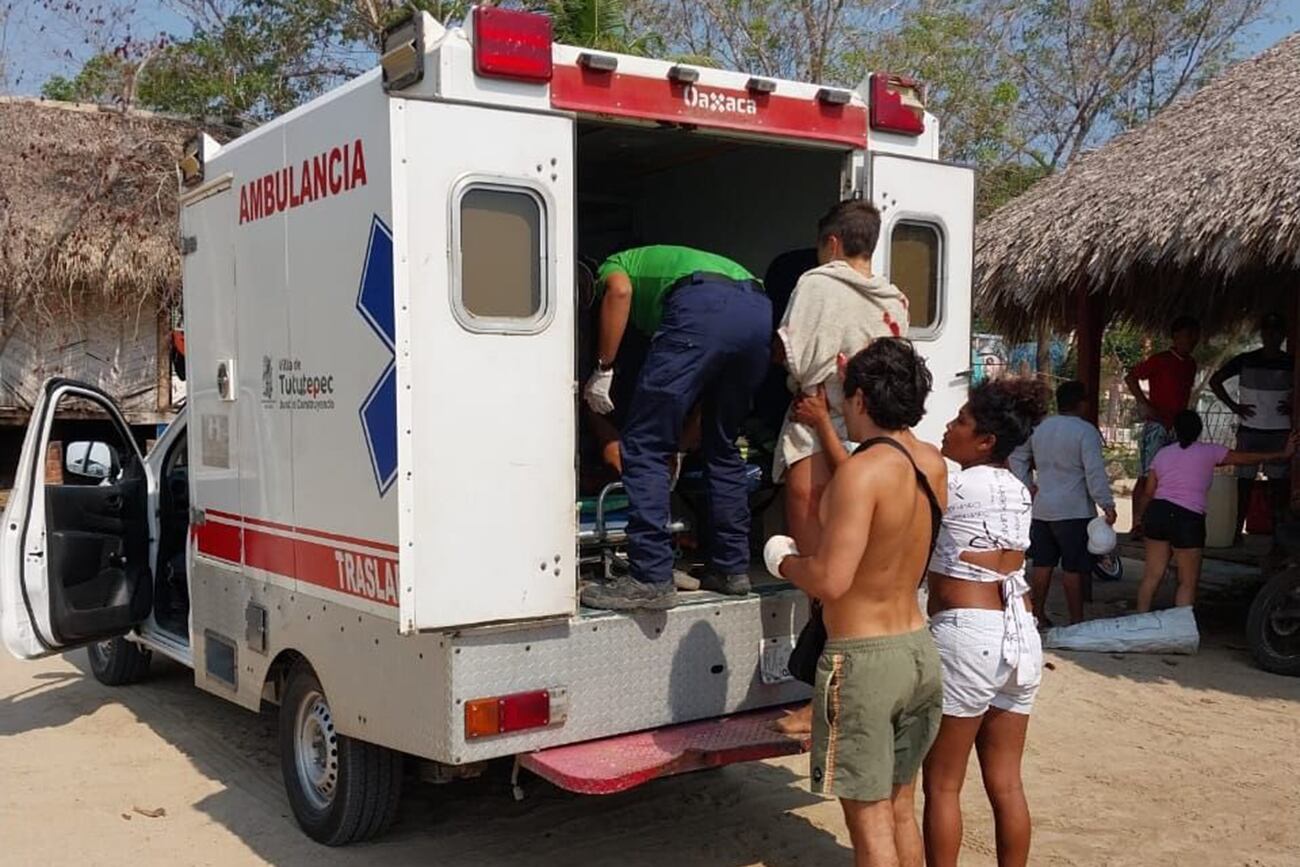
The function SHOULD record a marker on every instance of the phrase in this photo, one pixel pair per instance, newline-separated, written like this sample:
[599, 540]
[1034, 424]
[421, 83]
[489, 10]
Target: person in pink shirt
[1180, 476]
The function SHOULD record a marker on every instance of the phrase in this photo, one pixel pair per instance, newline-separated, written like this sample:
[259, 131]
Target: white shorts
[975, 675]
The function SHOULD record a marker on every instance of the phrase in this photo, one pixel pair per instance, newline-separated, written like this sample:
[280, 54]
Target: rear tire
[342, 790]
[118, 662]
[1273, 626]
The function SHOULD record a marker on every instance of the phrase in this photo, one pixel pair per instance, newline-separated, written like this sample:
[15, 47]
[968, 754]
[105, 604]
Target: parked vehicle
[366, 513]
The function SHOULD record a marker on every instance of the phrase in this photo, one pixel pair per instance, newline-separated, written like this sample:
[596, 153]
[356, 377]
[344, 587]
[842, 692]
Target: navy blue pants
[713, 347]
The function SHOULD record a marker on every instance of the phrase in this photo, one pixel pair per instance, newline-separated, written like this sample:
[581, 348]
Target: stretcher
[603, 519]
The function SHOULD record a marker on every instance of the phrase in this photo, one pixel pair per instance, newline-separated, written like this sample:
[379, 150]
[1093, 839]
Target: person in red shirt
[1169, 376]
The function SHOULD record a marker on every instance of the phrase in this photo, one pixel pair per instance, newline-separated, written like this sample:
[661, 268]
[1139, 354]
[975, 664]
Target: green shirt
[653, 270]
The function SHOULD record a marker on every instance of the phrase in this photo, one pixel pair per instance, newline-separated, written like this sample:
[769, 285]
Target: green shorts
[877, 704]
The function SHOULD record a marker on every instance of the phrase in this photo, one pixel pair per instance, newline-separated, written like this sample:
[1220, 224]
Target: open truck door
[483, 242]
[75, 547]
[927, 242]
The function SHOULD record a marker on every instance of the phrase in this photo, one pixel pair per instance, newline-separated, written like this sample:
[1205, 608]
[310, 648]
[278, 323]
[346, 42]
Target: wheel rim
[103, 651]
[316, 750]
[1282, 629]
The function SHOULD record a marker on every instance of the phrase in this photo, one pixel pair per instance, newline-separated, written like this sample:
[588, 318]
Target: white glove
[596, 392]
[776, 550]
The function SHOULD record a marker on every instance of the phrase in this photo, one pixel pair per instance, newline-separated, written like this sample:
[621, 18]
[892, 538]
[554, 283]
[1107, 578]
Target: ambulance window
[915, 257]
[502, 271]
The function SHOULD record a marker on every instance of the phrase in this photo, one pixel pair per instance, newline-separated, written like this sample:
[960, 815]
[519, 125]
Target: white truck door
[483, 238]
[927, 238]
[75, 549]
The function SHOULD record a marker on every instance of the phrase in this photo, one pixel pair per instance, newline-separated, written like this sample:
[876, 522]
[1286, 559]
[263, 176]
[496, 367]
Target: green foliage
[599, 24]
[103, 79]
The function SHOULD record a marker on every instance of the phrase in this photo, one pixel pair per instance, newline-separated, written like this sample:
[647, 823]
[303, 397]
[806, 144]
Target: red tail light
[897, 104]
[507, 713]
[512, 44]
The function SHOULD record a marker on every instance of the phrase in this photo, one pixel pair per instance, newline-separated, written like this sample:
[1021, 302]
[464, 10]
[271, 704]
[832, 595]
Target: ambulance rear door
[483, 241]
[926, 248]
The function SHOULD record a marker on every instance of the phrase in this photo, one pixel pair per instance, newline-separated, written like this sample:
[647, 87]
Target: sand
[1131, 761]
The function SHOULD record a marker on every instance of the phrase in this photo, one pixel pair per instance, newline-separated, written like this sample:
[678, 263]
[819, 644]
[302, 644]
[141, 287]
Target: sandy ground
[1132, 761]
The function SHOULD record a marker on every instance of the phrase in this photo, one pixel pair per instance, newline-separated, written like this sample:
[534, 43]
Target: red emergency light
[897, 104]
[512, 44]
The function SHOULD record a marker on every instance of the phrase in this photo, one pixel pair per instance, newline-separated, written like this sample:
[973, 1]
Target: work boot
[728, 585]
[627, 594]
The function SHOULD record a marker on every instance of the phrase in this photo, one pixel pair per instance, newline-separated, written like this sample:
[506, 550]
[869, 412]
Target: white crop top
[989, 509]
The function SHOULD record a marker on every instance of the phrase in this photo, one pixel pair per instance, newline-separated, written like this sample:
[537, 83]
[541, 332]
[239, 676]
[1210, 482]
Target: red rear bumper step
[610, 765]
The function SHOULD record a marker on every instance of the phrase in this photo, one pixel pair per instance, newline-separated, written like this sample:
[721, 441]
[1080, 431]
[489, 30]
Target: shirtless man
[877, 702]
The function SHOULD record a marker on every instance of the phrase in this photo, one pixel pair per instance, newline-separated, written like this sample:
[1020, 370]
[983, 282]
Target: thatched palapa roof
[1196, 212]
[87, 205]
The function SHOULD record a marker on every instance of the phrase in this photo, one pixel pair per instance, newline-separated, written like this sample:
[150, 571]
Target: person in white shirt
[1071, 485]
[989, 651]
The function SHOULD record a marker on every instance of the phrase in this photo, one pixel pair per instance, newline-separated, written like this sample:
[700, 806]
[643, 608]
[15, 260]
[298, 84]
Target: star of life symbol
[375, 304]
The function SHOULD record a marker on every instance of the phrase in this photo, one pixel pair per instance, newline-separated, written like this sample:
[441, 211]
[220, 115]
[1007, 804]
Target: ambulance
[368, 512]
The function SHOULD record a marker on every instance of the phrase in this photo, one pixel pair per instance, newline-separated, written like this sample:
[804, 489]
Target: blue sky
[38, 44]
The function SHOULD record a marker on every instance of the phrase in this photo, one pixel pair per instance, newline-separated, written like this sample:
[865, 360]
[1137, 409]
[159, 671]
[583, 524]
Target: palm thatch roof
[87, 205]
[1196, 212]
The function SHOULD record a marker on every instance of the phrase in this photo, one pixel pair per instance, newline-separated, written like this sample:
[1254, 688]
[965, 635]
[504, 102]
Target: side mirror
[91, 461]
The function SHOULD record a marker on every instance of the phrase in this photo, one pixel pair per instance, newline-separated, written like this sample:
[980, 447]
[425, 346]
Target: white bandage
[776, 550]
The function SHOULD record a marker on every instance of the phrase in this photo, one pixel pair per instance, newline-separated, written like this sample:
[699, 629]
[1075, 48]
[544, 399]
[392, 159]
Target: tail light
[519, 711]
[512, 44]
[897, 104]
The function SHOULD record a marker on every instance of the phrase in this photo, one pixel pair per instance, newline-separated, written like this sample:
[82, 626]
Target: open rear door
[75, 547]
[483, 238]
[927, 243]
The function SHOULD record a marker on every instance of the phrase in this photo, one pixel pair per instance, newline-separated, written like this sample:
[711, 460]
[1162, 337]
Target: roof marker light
[760, 85]
[512, 44]
[834, 96]
[684, 74]
[402, 53]
[598, 62]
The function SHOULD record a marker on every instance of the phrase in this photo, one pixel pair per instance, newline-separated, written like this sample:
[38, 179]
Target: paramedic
[1065, 451]
[877, 697]
[709, 325]
[1264, 386]
[1169, 375]
[992, 658]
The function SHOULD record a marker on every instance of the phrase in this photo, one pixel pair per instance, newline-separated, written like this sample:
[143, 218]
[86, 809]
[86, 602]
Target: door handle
[113, 502]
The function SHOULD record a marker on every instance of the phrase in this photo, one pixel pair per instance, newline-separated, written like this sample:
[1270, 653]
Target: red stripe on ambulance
[328, 173]
[261, 545]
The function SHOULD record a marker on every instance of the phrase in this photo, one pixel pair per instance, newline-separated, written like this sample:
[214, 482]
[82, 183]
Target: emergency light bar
[512, 44]
[897, 104]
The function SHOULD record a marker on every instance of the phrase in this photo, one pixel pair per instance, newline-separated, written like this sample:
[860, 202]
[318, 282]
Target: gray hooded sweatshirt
[834, 309]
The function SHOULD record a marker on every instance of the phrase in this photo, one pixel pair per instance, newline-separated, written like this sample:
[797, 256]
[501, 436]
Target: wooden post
[1292, 344]
[1090, 318]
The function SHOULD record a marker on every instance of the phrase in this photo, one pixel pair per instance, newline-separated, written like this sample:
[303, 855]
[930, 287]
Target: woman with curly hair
[981, 622]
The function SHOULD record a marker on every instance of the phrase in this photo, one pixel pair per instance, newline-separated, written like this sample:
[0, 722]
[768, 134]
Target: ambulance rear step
[616, 764]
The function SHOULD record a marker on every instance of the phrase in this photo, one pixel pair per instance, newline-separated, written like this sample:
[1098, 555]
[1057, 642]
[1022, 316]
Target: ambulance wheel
[118, 662]
[342, 790]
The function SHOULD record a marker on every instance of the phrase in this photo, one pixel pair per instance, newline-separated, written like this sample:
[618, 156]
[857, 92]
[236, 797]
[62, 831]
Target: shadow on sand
[738, 815]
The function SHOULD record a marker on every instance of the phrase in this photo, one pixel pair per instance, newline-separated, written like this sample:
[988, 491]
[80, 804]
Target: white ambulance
[366, 513]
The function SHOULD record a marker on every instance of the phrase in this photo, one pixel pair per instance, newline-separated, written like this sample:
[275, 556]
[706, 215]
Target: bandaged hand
[596, 393]
[776, 550]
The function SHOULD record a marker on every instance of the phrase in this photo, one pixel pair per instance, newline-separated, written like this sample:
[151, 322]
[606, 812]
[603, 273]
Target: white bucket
[1221, 512]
